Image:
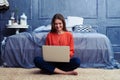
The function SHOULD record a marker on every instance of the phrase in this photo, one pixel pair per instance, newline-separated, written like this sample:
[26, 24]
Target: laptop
[56, 53]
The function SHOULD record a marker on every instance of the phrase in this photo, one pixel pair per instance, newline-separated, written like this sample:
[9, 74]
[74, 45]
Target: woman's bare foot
[58, 71]
[71, 73]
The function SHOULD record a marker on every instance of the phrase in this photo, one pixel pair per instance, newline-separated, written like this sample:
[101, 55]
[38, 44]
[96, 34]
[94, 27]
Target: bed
[93, 49]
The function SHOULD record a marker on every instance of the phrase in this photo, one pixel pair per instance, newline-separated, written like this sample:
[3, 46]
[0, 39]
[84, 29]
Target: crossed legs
[58, 67]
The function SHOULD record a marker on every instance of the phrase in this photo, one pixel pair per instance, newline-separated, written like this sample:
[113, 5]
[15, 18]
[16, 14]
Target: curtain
[4, 5]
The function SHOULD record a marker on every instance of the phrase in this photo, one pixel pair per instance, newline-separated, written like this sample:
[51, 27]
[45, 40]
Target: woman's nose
[57, 25]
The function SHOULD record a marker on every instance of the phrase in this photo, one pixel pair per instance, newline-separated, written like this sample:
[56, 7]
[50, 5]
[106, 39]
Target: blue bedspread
[94, 50]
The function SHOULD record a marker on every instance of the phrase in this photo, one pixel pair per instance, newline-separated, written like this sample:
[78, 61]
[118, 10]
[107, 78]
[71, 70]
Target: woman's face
[58, 25]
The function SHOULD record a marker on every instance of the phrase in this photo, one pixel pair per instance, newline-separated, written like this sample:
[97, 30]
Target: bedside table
[18, 27]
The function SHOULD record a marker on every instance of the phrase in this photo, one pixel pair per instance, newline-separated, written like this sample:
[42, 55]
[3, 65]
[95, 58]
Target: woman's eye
[58, 23]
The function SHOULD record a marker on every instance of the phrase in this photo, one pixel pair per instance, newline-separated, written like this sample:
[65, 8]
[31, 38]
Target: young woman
[61, 37]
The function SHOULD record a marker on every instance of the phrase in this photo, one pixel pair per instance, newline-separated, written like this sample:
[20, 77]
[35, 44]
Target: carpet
[35, 74]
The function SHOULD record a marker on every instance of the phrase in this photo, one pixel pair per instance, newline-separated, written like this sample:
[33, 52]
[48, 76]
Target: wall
[103, 15]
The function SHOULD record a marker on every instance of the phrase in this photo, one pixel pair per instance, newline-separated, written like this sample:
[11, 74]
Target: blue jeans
[50, 66]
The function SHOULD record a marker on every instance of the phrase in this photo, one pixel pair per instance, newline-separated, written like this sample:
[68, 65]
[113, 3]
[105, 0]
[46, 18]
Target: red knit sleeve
[47, 40]
[71, 46]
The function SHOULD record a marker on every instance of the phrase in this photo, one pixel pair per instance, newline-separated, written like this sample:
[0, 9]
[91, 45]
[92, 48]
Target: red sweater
[65, 39]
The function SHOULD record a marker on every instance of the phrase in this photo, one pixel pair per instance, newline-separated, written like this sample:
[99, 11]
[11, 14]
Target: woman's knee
[38, 60]
[76, 61]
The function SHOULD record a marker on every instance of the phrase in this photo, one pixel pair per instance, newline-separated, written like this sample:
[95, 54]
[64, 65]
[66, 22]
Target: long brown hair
[60, 17]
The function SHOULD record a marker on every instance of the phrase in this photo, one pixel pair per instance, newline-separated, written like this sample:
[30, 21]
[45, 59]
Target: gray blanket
[93, 49]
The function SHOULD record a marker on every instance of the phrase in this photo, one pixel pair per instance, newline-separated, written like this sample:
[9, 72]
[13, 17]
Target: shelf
[17, 26]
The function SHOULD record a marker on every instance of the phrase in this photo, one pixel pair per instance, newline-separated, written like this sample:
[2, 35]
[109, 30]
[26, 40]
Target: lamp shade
[4, 5]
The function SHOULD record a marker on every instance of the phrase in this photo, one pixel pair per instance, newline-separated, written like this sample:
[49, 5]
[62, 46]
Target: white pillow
[48, 27]
[43, 28]
[38, 29]
[73, 20]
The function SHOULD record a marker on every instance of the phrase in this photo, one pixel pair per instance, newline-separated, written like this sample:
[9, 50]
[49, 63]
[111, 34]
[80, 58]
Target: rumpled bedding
[93, 49]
